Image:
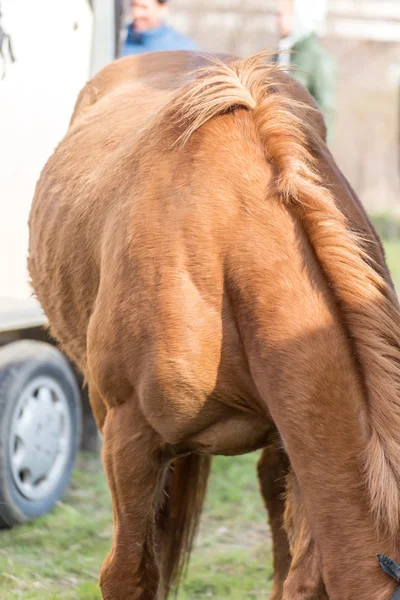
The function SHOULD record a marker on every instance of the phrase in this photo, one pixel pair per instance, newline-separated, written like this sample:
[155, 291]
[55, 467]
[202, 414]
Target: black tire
[22, 364]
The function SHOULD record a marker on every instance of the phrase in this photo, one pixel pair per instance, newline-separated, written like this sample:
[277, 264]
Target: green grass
[233, 554]
[59, 556]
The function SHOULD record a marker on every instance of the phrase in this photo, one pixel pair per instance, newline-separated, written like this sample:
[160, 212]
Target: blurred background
[52, 548]
[363, 36]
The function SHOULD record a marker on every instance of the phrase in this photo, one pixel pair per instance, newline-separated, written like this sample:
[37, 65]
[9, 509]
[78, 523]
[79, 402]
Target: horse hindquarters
[303, 367]
[310, 386]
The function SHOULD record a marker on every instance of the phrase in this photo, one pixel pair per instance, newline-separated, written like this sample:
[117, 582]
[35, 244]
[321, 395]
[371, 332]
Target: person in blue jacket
[148, 31]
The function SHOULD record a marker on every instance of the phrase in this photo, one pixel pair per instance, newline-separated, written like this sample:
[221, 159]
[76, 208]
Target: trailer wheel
[40, 427]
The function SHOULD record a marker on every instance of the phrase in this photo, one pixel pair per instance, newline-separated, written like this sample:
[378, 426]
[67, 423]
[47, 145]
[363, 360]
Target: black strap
[390, 567]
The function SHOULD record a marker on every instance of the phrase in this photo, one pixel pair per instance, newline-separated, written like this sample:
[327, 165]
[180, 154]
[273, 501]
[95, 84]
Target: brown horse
[202, 259]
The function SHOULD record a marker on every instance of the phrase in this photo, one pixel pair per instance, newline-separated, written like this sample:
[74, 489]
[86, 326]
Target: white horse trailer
[57, 45]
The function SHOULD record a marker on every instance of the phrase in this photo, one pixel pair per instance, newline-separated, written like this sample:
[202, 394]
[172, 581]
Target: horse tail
[179, 516]
[368, 304]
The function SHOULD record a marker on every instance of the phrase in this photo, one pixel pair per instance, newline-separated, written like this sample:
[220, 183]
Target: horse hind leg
[98, 406]
[306, 373]
[273, 468]
[135, 468]
[304, 580]
[297, 578]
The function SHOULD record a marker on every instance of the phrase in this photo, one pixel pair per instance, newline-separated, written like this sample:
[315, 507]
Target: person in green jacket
[300, 48]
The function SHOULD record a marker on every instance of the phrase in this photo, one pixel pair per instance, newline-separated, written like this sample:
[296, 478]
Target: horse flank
[368, 304]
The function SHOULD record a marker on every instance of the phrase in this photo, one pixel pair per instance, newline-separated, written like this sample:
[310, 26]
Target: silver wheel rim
[41, 438]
